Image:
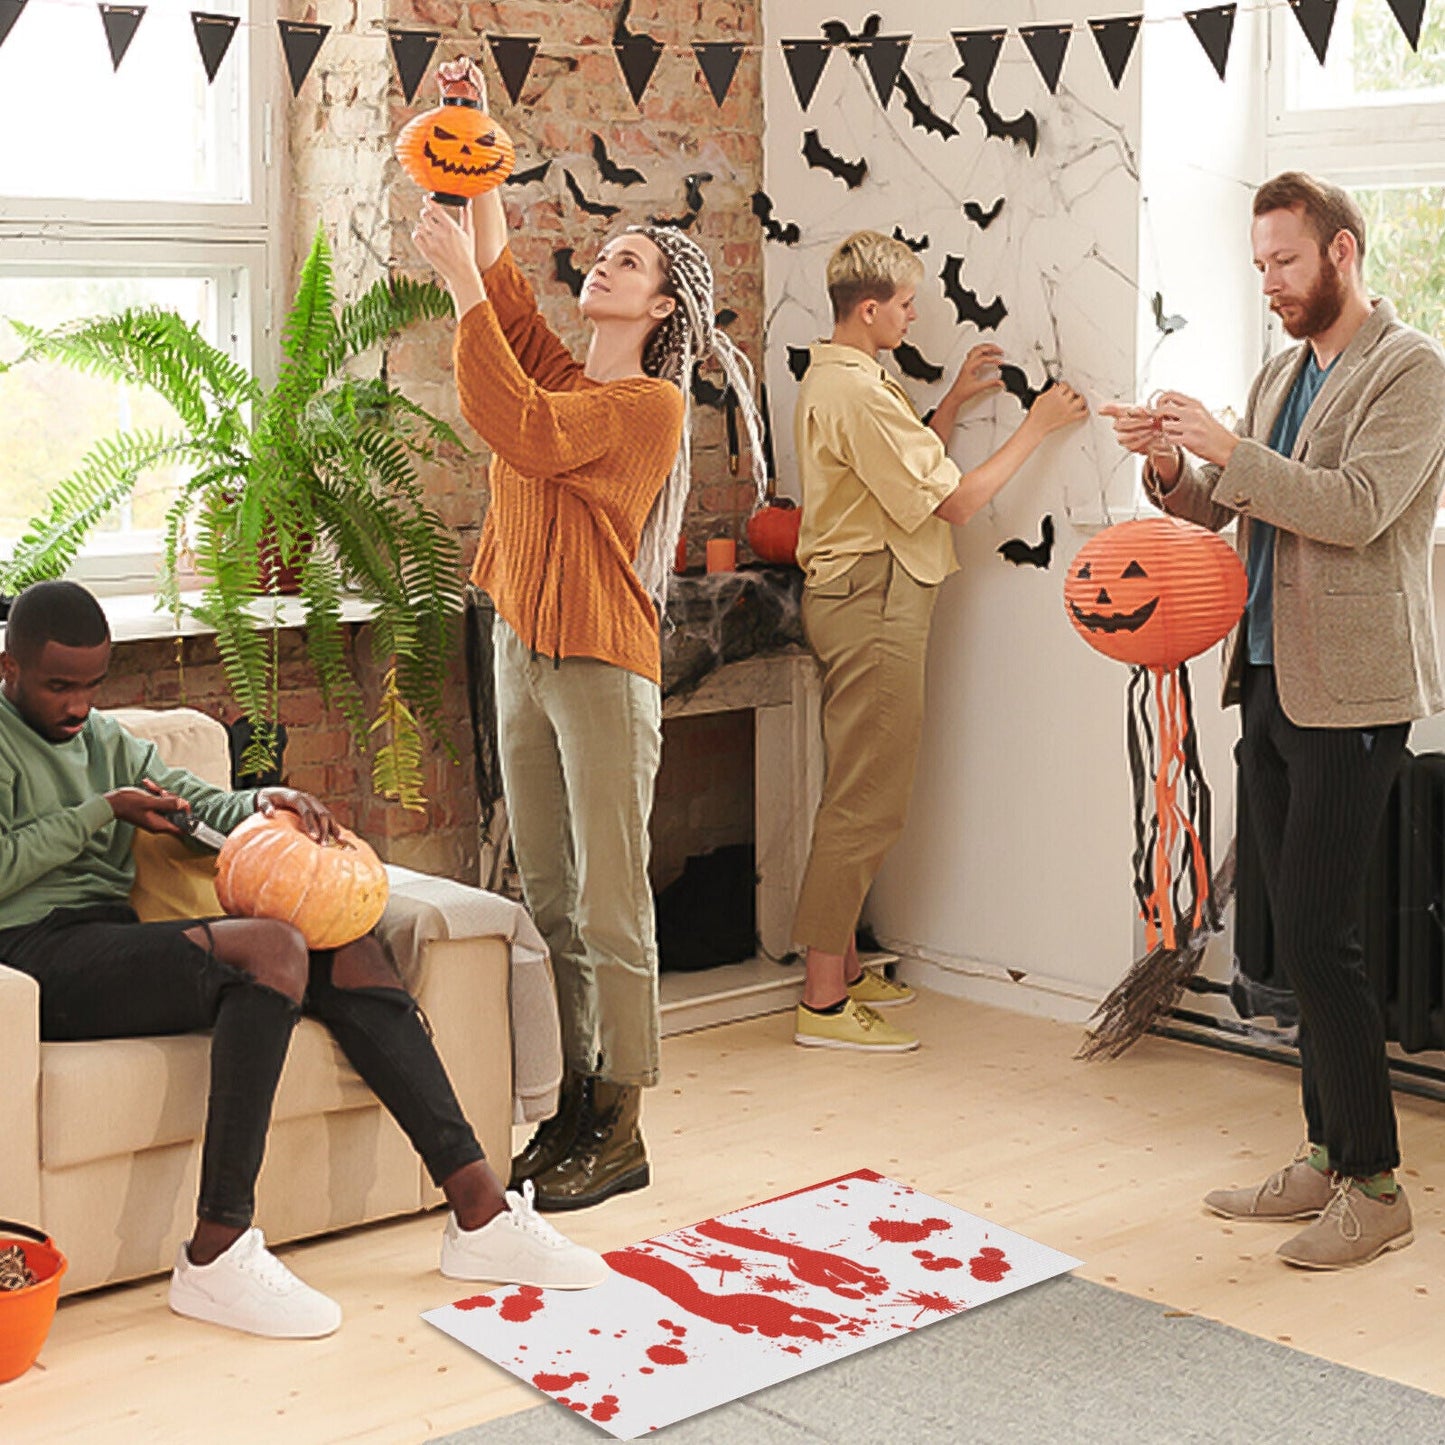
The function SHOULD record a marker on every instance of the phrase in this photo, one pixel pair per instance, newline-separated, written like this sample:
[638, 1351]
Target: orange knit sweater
[576, 466]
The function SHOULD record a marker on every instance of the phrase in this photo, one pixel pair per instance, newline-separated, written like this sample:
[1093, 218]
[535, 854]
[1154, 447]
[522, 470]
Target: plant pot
[286, 580]
[26, 1314]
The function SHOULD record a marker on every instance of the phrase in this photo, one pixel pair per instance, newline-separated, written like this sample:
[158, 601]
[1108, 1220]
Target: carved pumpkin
[456, 151]
[773, 531]
[270, 868]
[1155, 592]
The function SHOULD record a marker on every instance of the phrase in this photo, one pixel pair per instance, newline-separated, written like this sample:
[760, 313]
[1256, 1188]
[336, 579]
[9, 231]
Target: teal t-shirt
[1259, 610]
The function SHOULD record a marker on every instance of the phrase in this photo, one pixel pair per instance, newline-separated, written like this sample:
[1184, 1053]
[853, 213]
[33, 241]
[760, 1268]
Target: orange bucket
[26, 1314]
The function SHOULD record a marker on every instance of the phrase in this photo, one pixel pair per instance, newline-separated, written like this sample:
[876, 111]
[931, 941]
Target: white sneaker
[249, 1289]
[519, 1247]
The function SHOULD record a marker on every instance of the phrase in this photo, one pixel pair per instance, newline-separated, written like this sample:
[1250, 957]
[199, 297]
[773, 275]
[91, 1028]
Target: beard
[1320, 307]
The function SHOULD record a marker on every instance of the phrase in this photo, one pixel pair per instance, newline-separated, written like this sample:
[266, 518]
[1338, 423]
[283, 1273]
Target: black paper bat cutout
[1020, 553]
[684, 222]
[912, 362]
[1023, 129]
[705, 393]
[692, 189]
[593, 208]
[725, 317]
[966, 302]
[919, 113]
[524, 178]
[1016, 383]
[839, 33]
[919, 245]
[609, 170]
[818, 155]
[566, 271]
[981, 218]
[800, 358]
[788, 234]
[1168, 325]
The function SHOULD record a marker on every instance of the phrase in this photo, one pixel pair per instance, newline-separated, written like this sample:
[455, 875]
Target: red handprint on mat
[833, 1272]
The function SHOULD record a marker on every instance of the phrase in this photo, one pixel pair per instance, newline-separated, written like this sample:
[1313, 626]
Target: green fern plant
[315, 474]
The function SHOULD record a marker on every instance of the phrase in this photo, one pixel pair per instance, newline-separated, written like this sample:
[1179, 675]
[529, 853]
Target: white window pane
[151, 131]
[51, 414]
[1369, 61]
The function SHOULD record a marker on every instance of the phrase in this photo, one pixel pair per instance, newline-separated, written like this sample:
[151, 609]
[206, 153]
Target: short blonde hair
[869, 266]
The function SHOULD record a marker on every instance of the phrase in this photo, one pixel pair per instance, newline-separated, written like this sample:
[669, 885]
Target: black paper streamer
[818, 156]
[1316, 18]
[301, 43]
[1047, 44]
[566, 271]
[9, 14]
[912, 362]
[966, 302]
[718, 61]
[637, 54]
[788, 233]
[1115, 38]
[213, 36]
[1409, 13]
[800, 358]
[981, 218]
[592, 208]
[609, 170]
[921, 244]
[533, 173]
[805, 60]
[121, 23]
[920, 115]
[1021, 554]
[513, 56]
[412, 50]
[883, 55]
[1214, 29]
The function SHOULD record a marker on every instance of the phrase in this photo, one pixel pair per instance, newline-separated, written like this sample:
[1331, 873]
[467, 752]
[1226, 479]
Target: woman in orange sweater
[589, 480]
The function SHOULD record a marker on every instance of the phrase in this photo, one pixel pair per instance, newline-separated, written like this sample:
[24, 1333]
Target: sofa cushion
[119, 1096]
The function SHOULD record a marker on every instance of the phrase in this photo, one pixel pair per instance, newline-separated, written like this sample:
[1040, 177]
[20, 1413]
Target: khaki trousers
[579, 743]
[869, 628]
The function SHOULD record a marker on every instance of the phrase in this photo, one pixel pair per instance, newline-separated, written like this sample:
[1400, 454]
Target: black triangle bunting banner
[412, 50]
[1047, 44]
[1409, 13]
[883, 55]
[121, 23]
[805, 60]
[1316, 18]
[718, 61]
[1115, 38]
[214, 34]
[637, 55]
[301, 42]
[9, 14]
[978, 54]
[513, 56]
[1214, 28]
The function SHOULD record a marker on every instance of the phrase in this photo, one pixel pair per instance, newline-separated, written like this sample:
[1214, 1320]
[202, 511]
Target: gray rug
[1067, 1363]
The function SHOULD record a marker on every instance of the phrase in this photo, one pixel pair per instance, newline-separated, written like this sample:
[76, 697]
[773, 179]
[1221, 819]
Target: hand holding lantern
[456, 151]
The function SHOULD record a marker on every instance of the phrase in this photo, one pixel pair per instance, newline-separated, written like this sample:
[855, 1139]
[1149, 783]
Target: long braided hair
[685, 337]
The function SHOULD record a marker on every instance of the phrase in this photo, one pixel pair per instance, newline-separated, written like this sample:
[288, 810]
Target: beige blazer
[1355, 506]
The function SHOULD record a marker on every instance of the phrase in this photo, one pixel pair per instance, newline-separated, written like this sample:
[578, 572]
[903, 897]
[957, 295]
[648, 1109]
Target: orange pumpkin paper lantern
[456, 151]
[271, 868]
[1154, 593]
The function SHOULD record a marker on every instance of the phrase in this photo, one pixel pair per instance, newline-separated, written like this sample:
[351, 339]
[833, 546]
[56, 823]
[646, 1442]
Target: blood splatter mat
[704, 1315]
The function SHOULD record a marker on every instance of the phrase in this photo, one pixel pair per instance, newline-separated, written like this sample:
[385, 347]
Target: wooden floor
[1106, 1161]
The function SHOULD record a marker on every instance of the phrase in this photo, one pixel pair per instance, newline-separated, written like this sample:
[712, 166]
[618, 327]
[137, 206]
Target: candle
[722, 554]
[679, 563]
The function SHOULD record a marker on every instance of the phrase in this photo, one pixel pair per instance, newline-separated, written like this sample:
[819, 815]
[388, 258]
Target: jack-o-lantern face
[455, 151]
[1154, 592]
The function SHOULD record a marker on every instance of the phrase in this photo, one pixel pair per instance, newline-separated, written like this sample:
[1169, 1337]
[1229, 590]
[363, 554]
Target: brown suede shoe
[1298, 1191]
[607, 1157]
[1354, 1229]
[554, 1137]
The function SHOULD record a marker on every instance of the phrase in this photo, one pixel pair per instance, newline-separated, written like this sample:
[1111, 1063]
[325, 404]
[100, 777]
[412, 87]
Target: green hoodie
[60, 844]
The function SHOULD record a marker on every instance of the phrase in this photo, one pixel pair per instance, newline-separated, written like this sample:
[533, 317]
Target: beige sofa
[101, 1141]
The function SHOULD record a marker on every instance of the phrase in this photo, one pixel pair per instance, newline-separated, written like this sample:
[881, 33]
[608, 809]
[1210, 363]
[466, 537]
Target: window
[144, 185]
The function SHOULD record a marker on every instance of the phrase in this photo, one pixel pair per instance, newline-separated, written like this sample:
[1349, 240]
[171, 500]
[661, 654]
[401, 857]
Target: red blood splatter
[725, 1264]
[938, 1303]
[989, 1265]
[645, 1370]
[665, 1355]
[903, 1231]
[605, 1408]
[594, 1332]
[580, 1406]
[475, 1302]
[794, 1349]
[672, 1328]
[834, 1272]
[776, 1284]
[522, 1305]
[937, 1261]
[552, 1383]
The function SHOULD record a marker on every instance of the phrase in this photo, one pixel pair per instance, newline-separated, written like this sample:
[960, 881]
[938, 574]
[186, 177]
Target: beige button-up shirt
[872, 474]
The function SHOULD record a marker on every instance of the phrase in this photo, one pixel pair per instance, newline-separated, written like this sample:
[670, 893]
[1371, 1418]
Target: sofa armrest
[19, 1096]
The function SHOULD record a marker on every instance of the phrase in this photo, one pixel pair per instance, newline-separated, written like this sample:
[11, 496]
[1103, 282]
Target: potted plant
[314, 476]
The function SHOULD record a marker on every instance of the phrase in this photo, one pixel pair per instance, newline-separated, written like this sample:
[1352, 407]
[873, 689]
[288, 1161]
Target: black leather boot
[555, 1136]
[607, 1157]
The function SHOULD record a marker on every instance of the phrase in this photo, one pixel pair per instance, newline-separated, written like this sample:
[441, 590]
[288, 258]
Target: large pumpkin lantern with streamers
[270, 867]
[1154, 593]
[456, 151]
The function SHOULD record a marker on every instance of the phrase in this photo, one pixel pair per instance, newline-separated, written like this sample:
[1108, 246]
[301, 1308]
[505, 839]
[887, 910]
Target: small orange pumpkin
[456, 151]
[270, 868]
[773, 531]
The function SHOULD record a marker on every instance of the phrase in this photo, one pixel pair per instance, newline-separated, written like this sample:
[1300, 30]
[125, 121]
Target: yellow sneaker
[877, 990]
[856, 1027]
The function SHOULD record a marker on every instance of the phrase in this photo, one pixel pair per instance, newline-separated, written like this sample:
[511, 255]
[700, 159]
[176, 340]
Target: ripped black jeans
[105, 975]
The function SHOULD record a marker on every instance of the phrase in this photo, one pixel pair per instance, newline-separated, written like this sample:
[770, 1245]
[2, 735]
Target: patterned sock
[1380, 1186]
[1319, 1158]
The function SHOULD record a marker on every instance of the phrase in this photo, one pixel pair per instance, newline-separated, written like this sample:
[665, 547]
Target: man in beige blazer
[1335, 477]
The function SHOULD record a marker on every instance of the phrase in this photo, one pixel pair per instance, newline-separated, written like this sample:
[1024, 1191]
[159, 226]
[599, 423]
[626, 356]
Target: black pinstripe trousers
[1316, 798]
